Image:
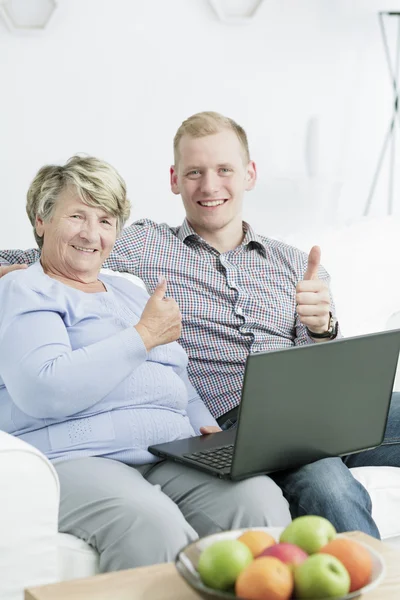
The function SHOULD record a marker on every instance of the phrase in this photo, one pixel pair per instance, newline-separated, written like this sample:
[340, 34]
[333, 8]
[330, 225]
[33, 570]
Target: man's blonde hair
[209, 123]
[97, 183]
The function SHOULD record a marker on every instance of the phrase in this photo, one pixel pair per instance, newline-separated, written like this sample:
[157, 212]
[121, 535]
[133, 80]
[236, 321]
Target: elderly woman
[91, 374]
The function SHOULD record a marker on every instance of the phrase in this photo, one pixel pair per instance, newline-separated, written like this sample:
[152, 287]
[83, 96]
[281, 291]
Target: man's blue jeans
[327, 488]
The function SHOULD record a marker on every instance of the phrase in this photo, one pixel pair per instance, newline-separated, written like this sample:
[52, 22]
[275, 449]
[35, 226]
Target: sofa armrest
[29, 502]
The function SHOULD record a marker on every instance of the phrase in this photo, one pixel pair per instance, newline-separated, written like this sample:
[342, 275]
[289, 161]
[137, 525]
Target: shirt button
[239, 311]
[232, 283]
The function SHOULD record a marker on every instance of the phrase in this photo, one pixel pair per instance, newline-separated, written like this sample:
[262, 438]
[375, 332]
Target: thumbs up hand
[161, 320]
[312, 296]
[314, 260]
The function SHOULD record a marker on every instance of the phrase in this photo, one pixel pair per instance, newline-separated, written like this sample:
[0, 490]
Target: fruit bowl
[187, 560]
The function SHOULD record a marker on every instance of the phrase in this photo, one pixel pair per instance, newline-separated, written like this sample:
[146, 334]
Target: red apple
[289, 554]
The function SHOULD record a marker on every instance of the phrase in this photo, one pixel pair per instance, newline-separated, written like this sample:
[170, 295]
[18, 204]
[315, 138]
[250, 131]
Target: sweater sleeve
[45, 377]
[198, 413]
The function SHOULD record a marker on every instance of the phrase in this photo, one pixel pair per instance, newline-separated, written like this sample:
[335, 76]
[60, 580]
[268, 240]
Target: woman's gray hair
[97, 183]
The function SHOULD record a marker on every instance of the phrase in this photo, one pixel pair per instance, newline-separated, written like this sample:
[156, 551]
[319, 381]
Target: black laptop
[300, 405]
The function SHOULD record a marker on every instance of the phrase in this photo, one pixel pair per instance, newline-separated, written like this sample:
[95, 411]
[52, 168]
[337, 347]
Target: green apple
[220, 564]
[309, 532]
[320, 578]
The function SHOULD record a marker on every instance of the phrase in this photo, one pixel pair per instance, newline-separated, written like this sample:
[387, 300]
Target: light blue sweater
[76, 379]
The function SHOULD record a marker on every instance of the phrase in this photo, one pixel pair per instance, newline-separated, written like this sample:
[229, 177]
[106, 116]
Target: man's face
[212, 176]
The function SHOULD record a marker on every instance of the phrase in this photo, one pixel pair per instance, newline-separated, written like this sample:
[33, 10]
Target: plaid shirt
[233, 303]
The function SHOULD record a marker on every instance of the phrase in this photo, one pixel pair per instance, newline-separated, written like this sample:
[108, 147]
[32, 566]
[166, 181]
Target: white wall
[115, 78]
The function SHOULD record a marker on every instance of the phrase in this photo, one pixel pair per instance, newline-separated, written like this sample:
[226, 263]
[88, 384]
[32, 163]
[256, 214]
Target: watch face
[335, 329]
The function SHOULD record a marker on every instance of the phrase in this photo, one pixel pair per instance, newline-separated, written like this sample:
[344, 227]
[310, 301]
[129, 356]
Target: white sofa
[364, 261]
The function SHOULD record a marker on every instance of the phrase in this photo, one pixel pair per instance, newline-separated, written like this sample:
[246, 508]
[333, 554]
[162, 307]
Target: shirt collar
[250, 236]
[185, 231]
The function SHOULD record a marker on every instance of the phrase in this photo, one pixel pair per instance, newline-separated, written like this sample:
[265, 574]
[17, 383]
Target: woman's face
[77, 239]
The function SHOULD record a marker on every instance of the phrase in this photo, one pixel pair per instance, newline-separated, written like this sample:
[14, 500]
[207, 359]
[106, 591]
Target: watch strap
[330, 334]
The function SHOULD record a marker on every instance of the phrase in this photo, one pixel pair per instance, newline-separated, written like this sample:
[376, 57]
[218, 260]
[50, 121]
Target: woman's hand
[161, 320]
[209, 429]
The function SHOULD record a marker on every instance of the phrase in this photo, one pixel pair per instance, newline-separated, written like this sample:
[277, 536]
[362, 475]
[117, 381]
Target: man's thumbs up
[312, 296]
[314, 259]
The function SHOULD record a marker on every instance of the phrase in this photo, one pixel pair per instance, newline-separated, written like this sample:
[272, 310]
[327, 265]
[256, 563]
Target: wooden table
[162, 582]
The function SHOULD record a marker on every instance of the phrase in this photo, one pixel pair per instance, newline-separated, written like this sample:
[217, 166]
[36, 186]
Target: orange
[266, 578]
[354, 557]
[257, 540]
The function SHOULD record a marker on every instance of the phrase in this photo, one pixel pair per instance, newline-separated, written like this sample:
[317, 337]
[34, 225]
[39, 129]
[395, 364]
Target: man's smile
[212, 203]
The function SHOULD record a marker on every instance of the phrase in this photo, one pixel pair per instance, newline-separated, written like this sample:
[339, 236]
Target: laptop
[299, 405]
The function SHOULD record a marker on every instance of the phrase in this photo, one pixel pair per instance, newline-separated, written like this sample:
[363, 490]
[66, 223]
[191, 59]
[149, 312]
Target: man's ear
[174, 180]
[251, 175]
[39, 226]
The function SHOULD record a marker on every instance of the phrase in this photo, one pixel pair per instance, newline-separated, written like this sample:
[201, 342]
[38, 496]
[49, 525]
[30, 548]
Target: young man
[240, 292]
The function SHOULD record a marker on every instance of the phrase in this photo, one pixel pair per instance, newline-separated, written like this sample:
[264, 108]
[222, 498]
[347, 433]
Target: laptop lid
[311, 402]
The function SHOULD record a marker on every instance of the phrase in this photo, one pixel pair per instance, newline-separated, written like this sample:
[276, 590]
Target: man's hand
[8, 268]
[209, 429]
[161, 320]
[312, 296]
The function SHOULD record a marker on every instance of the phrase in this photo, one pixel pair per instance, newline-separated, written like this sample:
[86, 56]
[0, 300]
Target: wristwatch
[331, 332]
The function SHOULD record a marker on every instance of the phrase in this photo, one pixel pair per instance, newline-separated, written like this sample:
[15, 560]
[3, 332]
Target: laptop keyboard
[218, 458]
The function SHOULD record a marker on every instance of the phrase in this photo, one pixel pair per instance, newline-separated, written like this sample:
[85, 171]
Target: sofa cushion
[133, 278]
[76, 559]
[383, 485]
